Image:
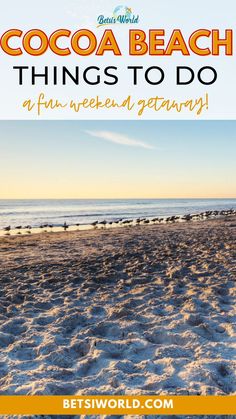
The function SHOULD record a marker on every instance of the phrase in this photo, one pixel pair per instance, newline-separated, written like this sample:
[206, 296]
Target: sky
[117, 159]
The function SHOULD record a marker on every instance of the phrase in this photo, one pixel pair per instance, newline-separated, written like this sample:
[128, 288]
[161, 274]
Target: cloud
[117, 138]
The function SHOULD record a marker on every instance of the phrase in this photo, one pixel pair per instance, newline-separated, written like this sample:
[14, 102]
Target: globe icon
[122, 11]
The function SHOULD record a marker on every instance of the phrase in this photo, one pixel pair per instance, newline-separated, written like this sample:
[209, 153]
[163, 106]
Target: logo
[122, 15]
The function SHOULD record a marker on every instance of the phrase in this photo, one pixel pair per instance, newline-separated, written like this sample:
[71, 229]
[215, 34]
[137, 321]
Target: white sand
[140, 310]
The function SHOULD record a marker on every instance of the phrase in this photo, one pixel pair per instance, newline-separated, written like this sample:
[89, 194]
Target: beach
[146, 309]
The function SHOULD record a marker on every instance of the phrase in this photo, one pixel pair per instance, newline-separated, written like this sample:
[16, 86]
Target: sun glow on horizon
[117, 160]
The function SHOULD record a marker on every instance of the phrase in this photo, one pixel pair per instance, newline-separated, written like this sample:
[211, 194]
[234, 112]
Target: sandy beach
[138, 310]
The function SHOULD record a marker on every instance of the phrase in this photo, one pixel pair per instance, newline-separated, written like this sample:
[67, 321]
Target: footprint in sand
[14, 327]
[79, 349]
[3, 369]
[22, 353]
[91, 366]
[193, 320]
[6, 340]
[98, 311]
[44, 320]
[107, 330]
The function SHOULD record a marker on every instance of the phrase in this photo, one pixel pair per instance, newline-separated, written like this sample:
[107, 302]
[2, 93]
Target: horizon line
[103, 199]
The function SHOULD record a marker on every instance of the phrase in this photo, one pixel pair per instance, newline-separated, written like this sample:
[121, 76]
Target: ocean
[86, 211]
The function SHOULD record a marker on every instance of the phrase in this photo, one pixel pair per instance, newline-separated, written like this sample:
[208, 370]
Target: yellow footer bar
[118, 405]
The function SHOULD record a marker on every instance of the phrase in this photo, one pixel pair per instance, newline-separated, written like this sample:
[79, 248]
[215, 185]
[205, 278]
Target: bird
[8, 228]
[65, 226]
[104, 223]
[18, 227]
[187, 217]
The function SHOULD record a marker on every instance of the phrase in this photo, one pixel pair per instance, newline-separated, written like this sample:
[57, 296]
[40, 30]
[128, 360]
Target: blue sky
[117, 159]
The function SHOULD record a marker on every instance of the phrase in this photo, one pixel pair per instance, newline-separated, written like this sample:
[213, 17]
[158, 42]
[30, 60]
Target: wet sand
[138, 310]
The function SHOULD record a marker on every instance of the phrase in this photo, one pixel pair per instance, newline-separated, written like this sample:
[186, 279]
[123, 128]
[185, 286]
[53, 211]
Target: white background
[154, 14]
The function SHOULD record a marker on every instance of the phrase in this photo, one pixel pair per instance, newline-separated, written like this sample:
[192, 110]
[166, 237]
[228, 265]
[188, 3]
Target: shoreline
[123, 222]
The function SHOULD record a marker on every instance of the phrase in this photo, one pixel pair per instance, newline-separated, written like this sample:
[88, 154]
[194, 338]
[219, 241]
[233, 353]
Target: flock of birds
[139, 221]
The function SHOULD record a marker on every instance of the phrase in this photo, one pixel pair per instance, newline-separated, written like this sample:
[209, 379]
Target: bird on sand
[65, 226]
